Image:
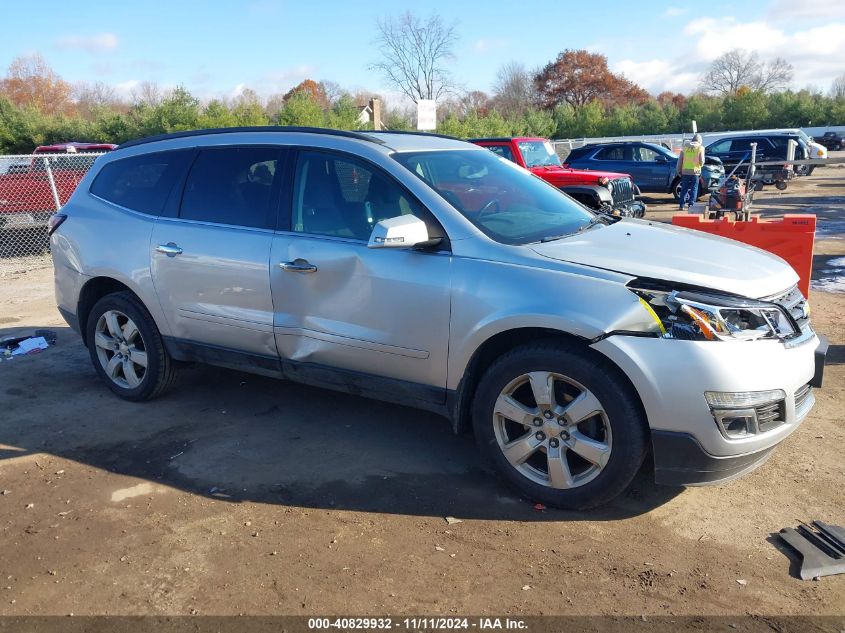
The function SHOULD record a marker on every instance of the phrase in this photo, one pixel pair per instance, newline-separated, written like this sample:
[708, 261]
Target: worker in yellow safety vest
[689, 167]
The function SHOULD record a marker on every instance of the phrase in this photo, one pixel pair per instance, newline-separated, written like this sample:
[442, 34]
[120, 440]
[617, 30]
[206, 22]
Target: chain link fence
[32, 188]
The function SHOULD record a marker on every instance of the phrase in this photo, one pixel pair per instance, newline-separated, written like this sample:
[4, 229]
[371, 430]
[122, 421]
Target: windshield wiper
[596, 220]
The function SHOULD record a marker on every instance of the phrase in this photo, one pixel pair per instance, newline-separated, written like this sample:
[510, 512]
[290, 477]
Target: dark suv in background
[733, 150]
[653, 167]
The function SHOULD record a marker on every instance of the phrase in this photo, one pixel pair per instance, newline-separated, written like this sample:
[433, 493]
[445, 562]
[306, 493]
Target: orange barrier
[790, 238]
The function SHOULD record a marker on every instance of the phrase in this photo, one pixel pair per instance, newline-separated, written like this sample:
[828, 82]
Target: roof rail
[262, 128]
[414, 132]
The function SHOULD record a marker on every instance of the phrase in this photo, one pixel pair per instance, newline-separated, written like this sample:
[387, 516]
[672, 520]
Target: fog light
[736, 423]
[743, 413]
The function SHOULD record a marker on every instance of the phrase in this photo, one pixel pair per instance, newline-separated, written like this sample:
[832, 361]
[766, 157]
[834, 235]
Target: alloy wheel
[120, 349]
[552, 429]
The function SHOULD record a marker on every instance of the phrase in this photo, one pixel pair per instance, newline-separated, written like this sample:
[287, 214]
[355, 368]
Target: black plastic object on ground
[821, 546]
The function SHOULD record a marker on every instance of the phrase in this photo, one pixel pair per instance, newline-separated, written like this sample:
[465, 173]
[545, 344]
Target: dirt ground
[239, 494]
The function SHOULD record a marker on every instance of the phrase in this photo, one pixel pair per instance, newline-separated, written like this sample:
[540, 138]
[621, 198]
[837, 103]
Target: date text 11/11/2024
[416, 623]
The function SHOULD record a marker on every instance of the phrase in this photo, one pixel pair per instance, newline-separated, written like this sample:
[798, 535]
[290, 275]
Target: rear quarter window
[141, 183]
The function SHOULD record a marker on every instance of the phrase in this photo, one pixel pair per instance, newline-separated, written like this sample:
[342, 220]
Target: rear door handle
[298, 266]
[170, 249]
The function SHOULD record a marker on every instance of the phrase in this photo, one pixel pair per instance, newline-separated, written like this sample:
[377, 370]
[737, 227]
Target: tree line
[575, 95]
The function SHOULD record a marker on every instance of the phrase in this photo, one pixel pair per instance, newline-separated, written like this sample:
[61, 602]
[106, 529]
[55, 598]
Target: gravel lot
[240, 494]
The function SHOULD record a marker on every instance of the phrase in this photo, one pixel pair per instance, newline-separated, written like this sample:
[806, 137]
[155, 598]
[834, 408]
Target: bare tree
[775, 75]
[333, 91]
[91, 97]
[147, 93]
[738, 68]
[513, 90]
[837, 88]
[475, 101]
[414, 53]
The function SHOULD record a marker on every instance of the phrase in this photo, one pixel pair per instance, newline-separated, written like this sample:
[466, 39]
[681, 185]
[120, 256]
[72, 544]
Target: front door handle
[298, 266]
[170, 249]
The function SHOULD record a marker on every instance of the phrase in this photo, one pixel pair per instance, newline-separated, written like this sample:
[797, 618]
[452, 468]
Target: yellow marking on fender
[653, 314]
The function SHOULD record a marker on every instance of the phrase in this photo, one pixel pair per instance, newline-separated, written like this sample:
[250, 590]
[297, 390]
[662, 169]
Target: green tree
[301, 109]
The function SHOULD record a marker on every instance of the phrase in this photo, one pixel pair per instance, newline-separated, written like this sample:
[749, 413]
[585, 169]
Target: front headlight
[699, 316]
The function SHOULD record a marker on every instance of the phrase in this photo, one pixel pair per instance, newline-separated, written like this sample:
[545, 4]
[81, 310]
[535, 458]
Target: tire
[676, 189]
[121, 337]
[545, 456]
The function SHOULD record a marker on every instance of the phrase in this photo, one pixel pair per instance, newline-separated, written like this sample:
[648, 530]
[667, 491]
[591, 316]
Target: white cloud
[488, 44]
[90, 43]
[787, 10]
[286, 78]
[816, 52]
[125, 89]
[673, 12]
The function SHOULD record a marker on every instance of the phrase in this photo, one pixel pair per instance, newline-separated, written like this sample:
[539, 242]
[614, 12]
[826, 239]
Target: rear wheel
[560, 424]
[127, 350]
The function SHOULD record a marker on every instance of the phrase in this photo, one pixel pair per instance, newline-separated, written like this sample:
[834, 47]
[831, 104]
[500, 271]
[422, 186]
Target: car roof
[399, 141]
[85, 147]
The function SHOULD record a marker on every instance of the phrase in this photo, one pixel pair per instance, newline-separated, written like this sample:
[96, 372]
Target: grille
[795, 304]
[622, 191]
[801, 398]
[770, 415]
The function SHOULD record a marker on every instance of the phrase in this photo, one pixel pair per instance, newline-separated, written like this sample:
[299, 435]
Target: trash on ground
[20, 345]
[453, 520]
[539, 506]
[821, 546]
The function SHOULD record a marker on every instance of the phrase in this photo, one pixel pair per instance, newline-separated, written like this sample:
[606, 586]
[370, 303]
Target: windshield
[506, 202]
[538, 154]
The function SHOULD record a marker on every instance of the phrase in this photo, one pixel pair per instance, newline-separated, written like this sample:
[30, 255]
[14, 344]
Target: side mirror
[660, 158]
[403, 231]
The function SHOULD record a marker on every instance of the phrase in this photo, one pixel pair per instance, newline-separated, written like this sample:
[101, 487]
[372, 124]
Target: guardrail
[32, 188]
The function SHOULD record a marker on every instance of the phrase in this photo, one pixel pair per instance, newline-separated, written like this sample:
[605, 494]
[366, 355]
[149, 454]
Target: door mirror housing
[661, 158]
[403, 231]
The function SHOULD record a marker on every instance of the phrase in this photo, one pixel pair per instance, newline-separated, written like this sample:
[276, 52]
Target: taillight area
[55, 222]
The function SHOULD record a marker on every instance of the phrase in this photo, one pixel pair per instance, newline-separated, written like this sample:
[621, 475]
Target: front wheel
[127, 350]
[560, 424]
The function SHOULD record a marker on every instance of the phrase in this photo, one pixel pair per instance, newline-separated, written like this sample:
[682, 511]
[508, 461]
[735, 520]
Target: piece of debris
[539, 506]
[28, 506]
[821, 546]
[65, 513]
[452, 555]
[177, 455]
[6, 492]
[526, 587]
[453, 520]
[439, 549]
[742, 582]
[30, 346]
[60, 472]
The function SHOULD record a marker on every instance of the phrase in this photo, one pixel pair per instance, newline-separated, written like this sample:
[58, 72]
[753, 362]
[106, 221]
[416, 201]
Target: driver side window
[342, 197]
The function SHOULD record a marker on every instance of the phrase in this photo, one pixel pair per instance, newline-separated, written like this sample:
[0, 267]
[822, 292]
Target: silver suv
[430, 272]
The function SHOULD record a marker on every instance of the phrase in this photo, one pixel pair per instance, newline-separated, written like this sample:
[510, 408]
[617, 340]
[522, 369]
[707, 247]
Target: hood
[661, 251]
[552, 170]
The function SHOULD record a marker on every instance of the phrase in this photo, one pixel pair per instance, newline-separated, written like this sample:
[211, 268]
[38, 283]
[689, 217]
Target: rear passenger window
[232, 185]
[141, 183]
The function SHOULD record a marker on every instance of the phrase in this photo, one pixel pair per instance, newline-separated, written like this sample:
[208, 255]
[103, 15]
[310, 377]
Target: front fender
[489, 298]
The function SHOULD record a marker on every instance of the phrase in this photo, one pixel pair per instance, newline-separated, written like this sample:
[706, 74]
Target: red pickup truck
[605, 191]
[26, 196]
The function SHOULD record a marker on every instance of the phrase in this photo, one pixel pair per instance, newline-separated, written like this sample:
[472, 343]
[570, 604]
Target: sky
[215, 48]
